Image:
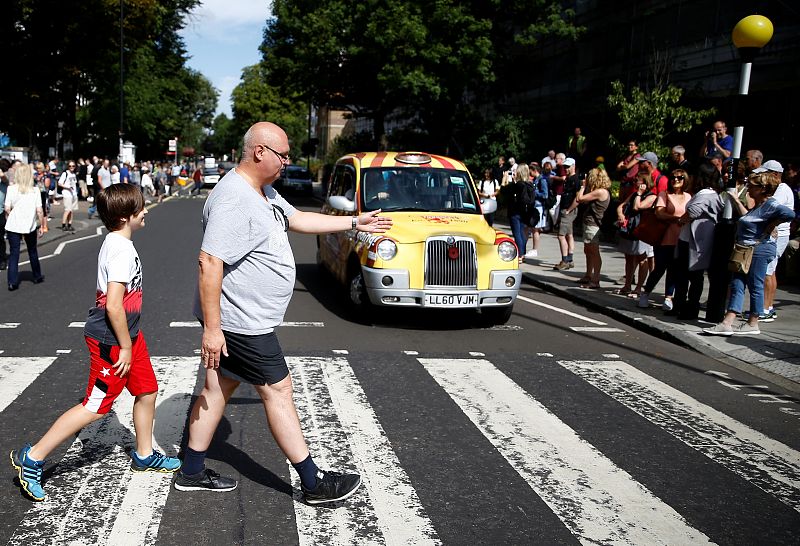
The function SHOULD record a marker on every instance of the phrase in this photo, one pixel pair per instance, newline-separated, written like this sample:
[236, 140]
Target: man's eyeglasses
[283, 219]
[283, 157]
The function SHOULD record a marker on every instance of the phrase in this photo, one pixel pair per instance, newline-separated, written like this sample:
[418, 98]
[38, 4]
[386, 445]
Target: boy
[117, 350]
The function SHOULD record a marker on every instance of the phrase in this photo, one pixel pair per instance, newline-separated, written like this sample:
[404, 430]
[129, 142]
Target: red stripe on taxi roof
[378, 160]
[446, 164]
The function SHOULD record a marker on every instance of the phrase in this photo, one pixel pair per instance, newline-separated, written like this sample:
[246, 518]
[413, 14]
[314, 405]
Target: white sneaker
[644, 301]
[532, 254]
[745, 329]
[720, 329]
[667, 305]
[90, 199]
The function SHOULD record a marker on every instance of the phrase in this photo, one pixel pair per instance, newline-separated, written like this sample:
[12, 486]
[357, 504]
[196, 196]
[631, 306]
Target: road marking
[196, 324]
[77, 324]
[766, 463]
[610, 355]
[594, 329]
[504, 327]
[345, 431]
[341, 351]
[562, 311]
[597, 501]
[545, 354]
[303, 324]
[17, 373]
[8, 325]
[410, 353]
[95, 499]
[61, 246]
[63, 351]
[476, 353]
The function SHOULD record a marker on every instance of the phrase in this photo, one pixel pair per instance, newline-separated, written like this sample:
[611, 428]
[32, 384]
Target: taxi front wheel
[495, 316]
[358, 292]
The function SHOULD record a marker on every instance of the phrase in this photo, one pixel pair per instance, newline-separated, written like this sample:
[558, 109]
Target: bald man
[246, 278]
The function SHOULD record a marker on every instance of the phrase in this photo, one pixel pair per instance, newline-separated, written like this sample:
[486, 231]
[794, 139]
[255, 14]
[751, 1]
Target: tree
[652, 116]
[71, 78]
[257, 99]
[222, 138]
[425, 62]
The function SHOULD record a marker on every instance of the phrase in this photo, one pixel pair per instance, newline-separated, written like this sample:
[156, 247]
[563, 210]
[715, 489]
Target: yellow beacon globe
[752, 31]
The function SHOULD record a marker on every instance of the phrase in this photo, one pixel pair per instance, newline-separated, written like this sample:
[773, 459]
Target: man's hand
[123, 362]
[213, 344]
[370, 222]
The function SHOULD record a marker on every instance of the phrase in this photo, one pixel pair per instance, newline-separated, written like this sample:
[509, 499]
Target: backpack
[530, 214]
[549, 201]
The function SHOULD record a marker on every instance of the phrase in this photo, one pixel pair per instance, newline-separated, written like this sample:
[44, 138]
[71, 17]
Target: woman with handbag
[671, 205]
[595, 194]
[755, 248]
[628, 216]
[23, 209]
[517, 209]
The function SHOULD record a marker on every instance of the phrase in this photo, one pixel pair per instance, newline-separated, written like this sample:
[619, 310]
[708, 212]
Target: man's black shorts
[257, 360]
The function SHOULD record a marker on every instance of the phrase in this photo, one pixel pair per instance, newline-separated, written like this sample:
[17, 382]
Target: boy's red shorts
[104, 386]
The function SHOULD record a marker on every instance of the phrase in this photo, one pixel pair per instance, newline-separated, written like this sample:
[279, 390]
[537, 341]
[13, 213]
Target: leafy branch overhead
[653, 117]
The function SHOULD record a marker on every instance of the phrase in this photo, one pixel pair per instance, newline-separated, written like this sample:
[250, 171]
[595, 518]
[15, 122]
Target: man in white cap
[783, 195]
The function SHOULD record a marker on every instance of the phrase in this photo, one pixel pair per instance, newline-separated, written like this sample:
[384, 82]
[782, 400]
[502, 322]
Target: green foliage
[652, 116]
[503, 136]
[429, 62]
[71, 55]
[223, 138]
[257, 99]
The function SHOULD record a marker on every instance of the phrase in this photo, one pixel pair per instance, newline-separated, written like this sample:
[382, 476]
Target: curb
[685, 339]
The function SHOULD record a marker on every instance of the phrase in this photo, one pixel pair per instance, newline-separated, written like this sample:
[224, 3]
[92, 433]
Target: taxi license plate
[451, 300]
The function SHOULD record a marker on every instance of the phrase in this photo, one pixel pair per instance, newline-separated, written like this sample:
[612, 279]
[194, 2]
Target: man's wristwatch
[355, 222]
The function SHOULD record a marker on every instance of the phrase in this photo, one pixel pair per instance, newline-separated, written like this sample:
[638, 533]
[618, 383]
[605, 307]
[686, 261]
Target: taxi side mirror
[340, 202]
[488, 206]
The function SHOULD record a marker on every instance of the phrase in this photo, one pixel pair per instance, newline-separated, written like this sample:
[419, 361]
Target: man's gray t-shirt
[248, 234]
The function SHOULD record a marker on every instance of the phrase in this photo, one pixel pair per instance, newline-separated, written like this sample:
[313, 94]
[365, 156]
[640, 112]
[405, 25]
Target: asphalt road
[562, 427]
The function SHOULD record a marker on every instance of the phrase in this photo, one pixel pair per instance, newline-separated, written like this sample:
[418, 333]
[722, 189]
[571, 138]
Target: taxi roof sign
[413, 158]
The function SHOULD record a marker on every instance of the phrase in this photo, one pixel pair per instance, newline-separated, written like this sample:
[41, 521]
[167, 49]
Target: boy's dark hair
[117, 202]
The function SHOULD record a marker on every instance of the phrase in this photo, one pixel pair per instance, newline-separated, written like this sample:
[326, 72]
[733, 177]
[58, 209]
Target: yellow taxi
[440, 251]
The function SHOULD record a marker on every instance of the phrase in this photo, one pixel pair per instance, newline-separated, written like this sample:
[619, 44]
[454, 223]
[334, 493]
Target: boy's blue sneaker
[155, 462]
[29, 472]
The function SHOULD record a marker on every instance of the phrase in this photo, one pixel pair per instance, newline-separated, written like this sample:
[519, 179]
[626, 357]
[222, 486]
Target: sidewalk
[774, 355]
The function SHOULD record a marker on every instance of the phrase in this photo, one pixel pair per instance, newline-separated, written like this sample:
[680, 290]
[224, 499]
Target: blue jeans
[14, 240]
[518, 230]
[762, 254]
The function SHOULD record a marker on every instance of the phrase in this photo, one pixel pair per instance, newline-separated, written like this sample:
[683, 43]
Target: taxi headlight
[507, 251]
[387, 249]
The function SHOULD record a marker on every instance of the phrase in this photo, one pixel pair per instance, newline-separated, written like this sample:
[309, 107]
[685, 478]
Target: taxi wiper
[404, 209]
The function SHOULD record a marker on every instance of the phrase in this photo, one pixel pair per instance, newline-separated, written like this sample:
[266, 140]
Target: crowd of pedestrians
[676, 220]
[29, 193]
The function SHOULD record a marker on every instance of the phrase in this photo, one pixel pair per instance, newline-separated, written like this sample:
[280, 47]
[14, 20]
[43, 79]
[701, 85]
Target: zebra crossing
[93, 497]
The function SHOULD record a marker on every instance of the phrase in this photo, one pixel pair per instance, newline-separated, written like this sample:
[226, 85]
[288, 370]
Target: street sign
[173, 145]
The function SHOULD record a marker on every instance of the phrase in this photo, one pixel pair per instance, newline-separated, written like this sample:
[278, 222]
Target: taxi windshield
[417, 188]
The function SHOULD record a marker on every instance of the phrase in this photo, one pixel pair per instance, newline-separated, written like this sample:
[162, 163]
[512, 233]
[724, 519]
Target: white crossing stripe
[562, 311]
[342, 422]
[77, 324]
[63, 351]
[95, 498]
[766, 463]
[8, 325]
[17, 373]
[597, 501]
[594, 329]
[196, 324]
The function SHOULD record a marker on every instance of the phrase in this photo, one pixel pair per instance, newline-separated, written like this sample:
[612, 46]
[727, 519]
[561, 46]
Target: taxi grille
[441, 270]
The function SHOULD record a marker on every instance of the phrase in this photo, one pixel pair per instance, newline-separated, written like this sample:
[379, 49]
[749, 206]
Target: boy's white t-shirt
[119, 262]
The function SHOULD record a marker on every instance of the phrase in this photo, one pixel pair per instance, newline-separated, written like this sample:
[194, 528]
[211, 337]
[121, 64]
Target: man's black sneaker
[207, 480]
[331, 487]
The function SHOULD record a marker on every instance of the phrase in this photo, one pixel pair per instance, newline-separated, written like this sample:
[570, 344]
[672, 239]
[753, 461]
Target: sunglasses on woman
[679, 177]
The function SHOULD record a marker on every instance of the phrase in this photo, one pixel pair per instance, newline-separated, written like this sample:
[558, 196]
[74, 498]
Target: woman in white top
[68, 182]
[23, 209]
[115, 175]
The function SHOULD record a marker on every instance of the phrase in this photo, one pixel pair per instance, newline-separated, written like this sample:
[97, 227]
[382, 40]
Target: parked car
[211, 176]
[440, 251]
[295, 178]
